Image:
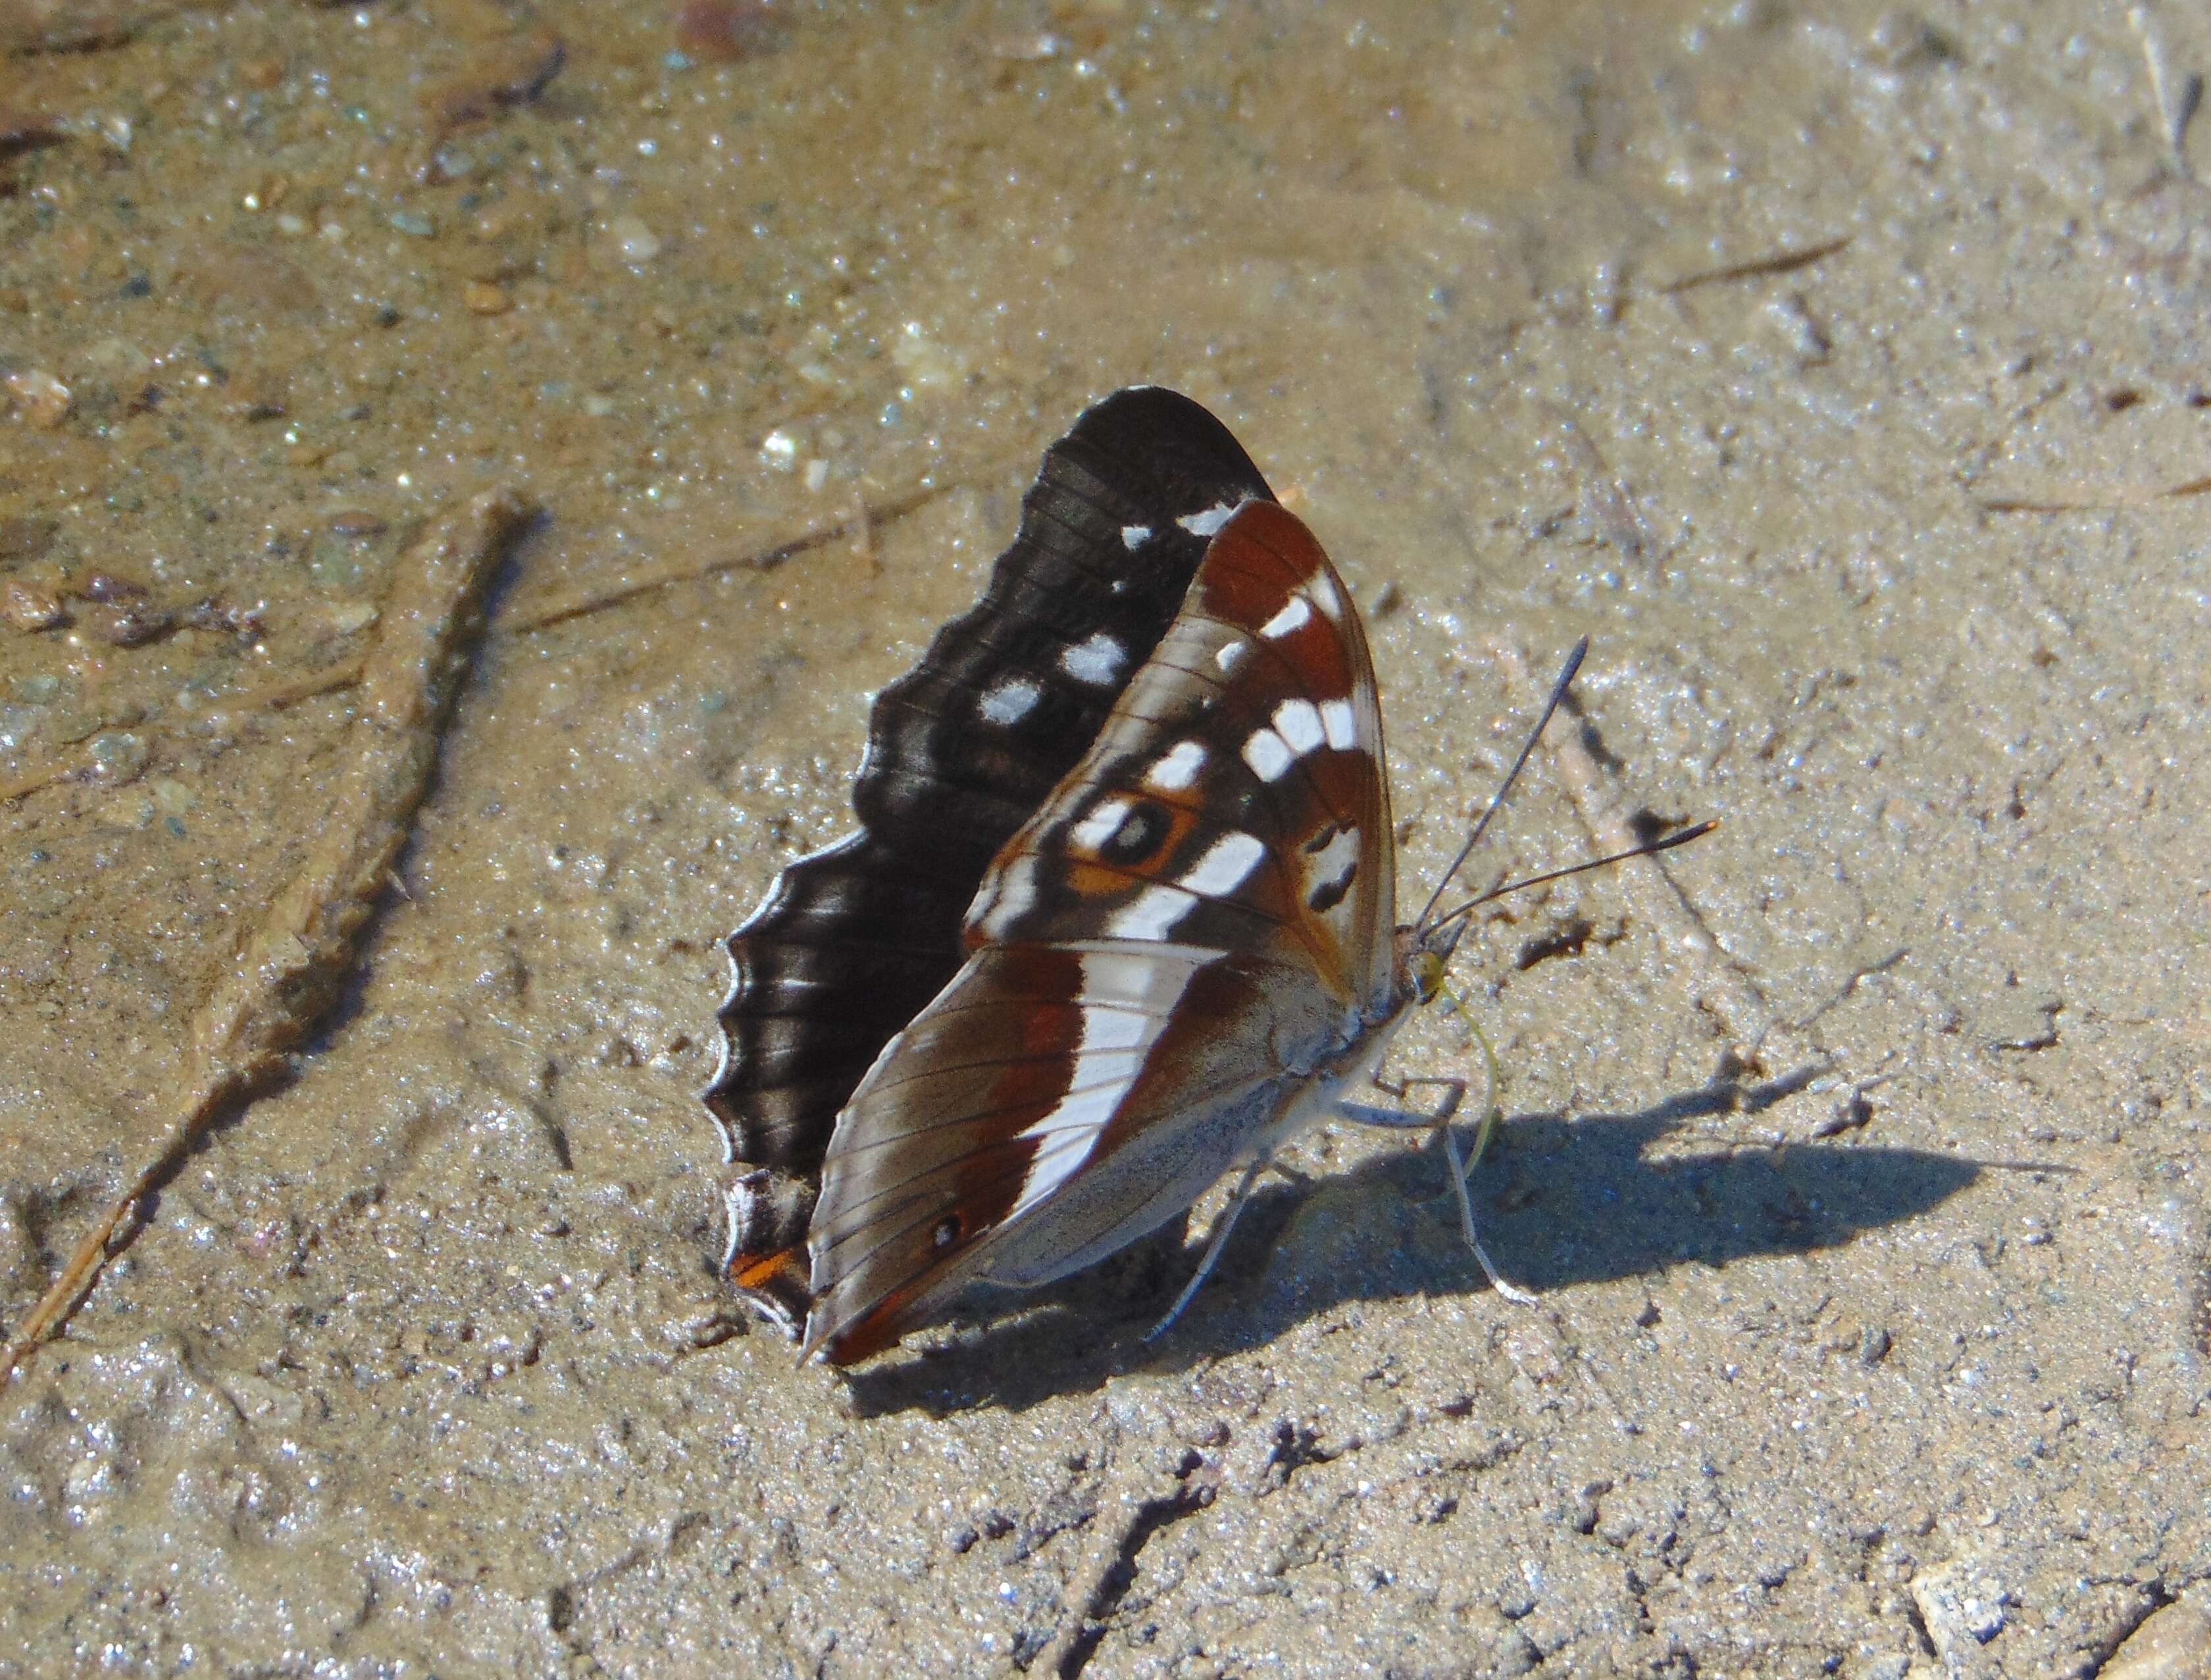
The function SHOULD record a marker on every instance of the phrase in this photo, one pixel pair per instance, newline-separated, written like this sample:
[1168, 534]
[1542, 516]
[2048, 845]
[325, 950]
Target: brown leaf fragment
[27, 131]
[727, 31]
[510, 73]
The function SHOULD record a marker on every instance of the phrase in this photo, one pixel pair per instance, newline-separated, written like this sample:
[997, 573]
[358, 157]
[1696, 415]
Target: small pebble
[40, 397]
[639, 243]
[514, 73]
[28, 607]
[119, 756]
[347, 616]
[356, 522]
[413, 224]
[1028, 46]
[482, 298]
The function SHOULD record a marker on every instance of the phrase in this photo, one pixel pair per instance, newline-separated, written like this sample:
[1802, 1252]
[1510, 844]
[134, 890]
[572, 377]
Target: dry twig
[2119, 500]
[1781, 262]
[860, 522]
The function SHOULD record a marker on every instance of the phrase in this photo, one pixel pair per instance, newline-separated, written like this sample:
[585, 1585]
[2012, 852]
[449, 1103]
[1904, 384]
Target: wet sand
[1841, 372]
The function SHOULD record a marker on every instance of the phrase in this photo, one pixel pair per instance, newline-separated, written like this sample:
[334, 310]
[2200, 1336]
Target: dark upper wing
[851, 942]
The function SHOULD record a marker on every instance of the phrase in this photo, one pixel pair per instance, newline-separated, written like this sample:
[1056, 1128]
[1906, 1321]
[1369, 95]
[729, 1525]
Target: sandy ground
[1841, 370]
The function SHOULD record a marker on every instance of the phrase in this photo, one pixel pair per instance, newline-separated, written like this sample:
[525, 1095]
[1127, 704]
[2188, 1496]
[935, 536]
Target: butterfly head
[1424, 954]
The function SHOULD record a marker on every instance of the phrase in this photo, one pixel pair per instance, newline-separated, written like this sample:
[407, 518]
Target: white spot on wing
[1017, 893]
[1231, 655]
[1008, 702]
[1134, 537]
[1152, 916]
[1103, 822]
[1293, 617]
[1206, 524]
[1297, 722]
[1097, 661]
[1178, 769]
[1341, 722]
[1323, 590]
[1225, 866]
[1267, 754]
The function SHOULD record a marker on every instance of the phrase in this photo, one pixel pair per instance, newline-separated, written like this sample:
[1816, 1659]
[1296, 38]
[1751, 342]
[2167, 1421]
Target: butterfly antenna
[1474, 834]
[1644, 851]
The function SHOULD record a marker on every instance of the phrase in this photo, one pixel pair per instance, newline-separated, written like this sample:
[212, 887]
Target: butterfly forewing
[1234, 798]
[1194, 923]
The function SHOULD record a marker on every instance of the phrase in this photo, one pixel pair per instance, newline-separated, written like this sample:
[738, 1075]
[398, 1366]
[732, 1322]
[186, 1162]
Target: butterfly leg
[1439, 1121]
[1213, 1244]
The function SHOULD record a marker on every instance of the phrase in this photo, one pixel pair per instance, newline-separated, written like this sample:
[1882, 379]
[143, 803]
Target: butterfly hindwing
[1163, 957]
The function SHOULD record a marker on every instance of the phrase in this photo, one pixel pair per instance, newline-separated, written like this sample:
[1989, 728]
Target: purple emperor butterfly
[1119, 919]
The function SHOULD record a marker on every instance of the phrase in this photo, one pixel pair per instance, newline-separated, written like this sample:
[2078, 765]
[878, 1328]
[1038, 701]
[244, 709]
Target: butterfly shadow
[1561, 1202]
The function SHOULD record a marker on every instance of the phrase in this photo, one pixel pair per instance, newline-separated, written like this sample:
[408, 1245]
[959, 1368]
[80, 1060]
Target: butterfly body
[1183, 953]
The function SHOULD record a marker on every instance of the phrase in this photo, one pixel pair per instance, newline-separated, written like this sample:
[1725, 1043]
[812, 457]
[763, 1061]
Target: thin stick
[863, 521]
[2122, 499]
[1781, 262]
[1474, 834]
[290, 968]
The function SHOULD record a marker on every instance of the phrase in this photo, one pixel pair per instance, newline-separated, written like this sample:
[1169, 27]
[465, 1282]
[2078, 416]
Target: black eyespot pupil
[1142, 833]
